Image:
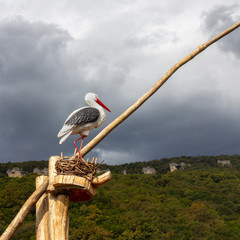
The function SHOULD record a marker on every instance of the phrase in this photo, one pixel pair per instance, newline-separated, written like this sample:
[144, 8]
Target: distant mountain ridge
[160, 166]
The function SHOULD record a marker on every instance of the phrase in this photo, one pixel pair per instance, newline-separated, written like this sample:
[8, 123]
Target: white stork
[83, 120]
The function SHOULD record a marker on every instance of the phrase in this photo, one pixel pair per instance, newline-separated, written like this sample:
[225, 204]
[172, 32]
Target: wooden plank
[78, 188]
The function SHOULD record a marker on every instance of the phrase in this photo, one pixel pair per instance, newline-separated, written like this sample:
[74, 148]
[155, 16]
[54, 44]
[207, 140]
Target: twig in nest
[66, 166]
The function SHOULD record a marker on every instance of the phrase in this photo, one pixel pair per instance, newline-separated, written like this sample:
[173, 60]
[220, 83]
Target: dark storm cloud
[33, 77]
[220, 18]
[187, 128]
[44, 77]
[45, 73]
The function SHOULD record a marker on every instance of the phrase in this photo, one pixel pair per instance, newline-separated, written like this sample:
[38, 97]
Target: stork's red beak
[101, 104]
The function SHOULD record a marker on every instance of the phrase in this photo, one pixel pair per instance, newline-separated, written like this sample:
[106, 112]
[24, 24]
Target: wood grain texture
[100, 180]
[78, 188]
[58, 217]
[42, 232]
[58, 208]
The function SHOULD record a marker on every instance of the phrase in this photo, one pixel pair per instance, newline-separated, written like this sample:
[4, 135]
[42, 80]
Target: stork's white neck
[92, 103]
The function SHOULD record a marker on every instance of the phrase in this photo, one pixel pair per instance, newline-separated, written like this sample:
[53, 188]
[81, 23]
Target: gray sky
[53, 52]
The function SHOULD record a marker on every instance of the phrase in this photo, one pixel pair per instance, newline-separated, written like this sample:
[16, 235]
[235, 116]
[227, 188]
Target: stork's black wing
[83, 116]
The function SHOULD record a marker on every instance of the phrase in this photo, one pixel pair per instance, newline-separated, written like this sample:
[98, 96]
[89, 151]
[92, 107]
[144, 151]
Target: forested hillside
[195, 203]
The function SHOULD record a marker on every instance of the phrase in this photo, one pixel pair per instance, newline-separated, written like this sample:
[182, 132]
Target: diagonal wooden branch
[151, 91]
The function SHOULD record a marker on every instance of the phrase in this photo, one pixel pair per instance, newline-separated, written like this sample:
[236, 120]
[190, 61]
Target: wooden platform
[78, 188]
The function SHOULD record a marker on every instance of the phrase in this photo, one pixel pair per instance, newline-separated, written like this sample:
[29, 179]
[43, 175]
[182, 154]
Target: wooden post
[58, 217]
[42, 223]
[58, 208]
[61, 190]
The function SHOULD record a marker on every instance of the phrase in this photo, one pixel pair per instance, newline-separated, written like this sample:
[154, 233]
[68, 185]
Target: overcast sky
[54, 52]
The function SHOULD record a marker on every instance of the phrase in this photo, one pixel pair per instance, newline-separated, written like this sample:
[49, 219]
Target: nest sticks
[78, 167]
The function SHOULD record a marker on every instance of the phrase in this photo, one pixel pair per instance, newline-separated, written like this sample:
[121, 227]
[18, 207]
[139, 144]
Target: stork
[83, 120]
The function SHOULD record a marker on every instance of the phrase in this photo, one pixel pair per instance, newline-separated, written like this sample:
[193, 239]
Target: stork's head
[92, 98]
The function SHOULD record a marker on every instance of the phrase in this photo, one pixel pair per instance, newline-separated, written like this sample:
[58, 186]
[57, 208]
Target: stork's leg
[79, 150]
[76, 145]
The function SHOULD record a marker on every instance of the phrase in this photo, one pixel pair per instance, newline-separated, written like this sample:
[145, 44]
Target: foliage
[14, 192]
[196, 203]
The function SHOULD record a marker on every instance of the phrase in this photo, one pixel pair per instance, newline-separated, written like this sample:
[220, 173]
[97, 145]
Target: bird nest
[77, 167]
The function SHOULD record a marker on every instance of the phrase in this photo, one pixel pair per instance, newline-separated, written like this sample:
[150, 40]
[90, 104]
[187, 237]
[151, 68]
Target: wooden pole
[58, 208]
[24, 211]
[42, 223]
[151, 91]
